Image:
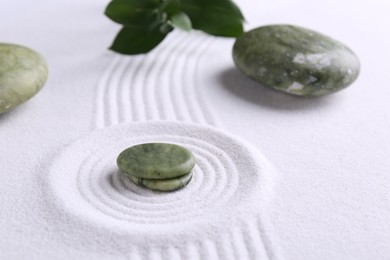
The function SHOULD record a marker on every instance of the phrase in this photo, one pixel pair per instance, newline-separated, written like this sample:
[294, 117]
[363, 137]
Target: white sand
[310, 181]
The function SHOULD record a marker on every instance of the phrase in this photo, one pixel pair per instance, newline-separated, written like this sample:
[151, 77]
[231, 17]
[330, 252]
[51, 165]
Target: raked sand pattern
[154, 98]
[216, 206]
[159, 86]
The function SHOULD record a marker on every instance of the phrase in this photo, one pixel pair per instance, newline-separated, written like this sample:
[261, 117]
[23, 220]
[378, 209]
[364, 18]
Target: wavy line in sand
[122, 95]
[100, 120]
[123, 91]
[178, 85]
[190, 90]
[198, 94]
[136, 84]
[154, 104]
[162, 98]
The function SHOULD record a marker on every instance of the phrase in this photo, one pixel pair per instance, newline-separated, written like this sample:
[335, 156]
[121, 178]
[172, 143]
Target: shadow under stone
[13, 113]
[246, 88]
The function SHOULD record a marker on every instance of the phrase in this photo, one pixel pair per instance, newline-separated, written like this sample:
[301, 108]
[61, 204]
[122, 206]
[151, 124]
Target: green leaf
[137, 40]
[216, 17]
[170, 7]
[147, 22]
[181, 21]
[133, 12]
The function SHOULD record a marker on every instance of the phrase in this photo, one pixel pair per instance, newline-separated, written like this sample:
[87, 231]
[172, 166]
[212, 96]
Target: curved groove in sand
[113, 93]
[108, 110]
[198, 95]
[148, 81]
[163, 100]
[185, 77]
[161, 85]
[101, 89]
[179, 84]
[154, 104]
[175, 84]
[124, 107]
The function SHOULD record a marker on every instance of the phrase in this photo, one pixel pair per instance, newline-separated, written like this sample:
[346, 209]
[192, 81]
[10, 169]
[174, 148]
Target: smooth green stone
[156, 161]
[163, 185]
[295, 60]
[23, 72]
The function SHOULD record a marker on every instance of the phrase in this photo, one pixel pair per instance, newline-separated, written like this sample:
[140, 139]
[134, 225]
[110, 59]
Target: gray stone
[163, 185]
[295, 60]
[23, 72]
[156, 161]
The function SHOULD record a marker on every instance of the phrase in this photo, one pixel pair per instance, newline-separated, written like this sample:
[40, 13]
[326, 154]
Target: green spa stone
[23, 72]
[295, 60]
[156, 161]
[163, 185]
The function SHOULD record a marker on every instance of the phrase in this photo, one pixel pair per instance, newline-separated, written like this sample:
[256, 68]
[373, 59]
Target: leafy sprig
[146, 23]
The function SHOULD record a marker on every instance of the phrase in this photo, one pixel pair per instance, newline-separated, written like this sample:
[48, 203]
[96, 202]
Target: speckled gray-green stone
[156, 161]
[163, 185]
[295, 60]
[23, 72]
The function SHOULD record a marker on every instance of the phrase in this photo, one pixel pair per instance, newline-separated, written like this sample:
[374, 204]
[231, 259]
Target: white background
[332, 154]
